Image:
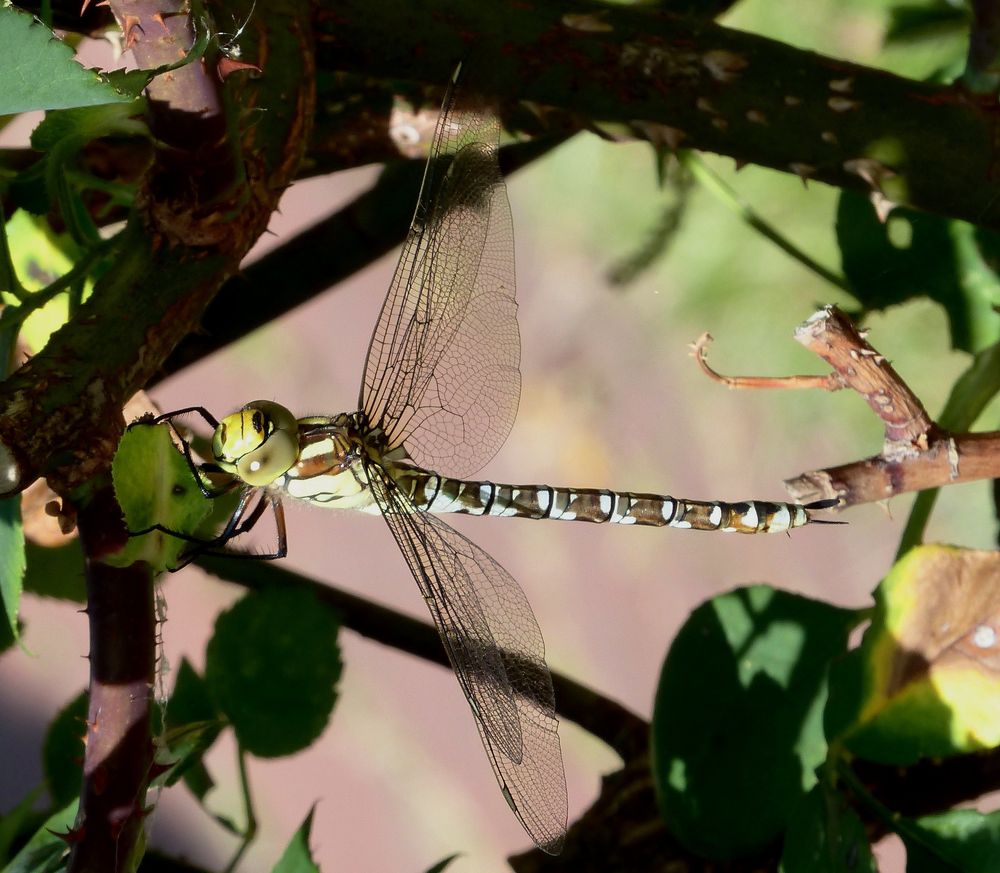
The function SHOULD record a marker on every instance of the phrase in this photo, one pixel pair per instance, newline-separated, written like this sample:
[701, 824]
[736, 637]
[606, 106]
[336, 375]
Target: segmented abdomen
[434, 493]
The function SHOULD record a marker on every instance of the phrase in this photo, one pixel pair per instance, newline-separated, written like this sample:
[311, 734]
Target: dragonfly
[440, 392]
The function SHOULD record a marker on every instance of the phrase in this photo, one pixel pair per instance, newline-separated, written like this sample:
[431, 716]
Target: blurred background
[610, 398]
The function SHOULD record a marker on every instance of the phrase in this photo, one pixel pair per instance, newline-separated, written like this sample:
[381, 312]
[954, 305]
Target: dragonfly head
[258, 443]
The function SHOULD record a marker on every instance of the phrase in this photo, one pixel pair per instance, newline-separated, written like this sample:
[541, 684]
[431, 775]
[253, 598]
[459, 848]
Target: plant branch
[720, 90]
[119, 751]
[917, 453]
[195, 218]
[321, 256]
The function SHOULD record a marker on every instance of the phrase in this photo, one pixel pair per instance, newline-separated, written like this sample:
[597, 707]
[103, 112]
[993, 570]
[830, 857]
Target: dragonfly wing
[496, 650]
[442, 371]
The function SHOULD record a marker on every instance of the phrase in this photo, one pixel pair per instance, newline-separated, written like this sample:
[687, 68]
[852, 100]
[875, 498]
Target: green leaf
[39, 72]
[11, 560]
[8, 275]
[56, 571]
[181, 755]
[13, 822]
[825, 835]
[154, 485]
[924, 682]
[913, 23]
[916, 254]
[297, 858]
[80, 126]
[443, 864]
[63, 135]
[62, 752]
[272, 665]
[40, 257]
[960, 840]
[7, 638]
[738, 717]
[45, 851]
[193, 725]
[191, 699]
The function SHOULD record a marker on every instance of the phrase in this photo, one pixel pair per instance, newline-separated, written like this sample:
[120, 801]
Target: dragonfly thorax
[258, 443]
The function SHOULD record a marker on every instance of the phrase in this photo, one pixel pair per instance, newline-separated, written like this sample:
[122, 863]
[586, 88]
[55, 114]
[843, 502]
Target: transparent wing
[442, 371]
[497, 653]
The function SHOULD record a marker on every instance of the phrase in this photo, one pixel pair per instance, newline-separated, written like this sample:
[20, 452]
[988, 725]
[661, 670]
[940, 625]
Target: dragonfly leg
[210, 419]
[236, 525]
[240, 523]
[195, 468]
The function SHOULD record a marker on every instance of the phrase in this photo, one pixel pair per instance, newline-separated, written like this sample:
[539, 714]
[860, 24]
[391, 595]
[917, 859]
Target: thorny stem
[119, 751]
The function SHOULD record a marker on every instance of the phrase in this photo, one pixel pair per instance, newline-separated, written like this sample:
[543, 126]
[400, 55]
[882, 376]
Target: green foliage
[273, 665]
[55, 571]
[39, 71]
[913, 254]
[297, 857]
[154, 485]
[761, 657]
[763, 708]
[17, 820]
[45, 851]
[825, 835]
[960, 840]
[917, 687]
[193, 724]
[11, 561]
[62, 136]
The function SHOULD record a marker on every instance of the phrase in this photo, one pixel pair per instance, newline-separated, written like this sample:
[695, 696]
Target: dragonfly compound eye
[258, 443]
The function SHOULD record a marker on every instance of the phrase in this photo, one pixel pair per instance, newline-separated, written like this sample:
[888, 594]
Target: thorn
[842, 104]
[225, 67]
[872, 171]
[803, 171]
[587, 22]
[73, 835]
[724, 66]
[664, 134]
[129, 29]
[882, 205]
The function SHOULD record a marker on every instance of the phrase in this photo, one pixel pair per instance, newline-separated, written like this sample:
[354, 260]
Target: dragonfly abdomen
[439, 494]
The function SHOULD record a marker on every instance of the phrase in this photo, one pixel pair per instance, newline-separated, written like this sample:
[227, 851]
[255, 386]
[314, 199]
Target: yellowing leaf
[38, 260]
[927, 677]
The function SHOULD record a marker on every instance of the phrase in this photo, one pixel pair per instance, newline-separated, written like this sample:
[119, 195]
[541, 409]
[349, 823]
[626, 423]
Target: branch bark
[719, 90]
[917, 453]
[224, 154]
